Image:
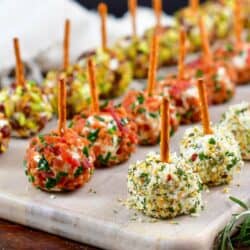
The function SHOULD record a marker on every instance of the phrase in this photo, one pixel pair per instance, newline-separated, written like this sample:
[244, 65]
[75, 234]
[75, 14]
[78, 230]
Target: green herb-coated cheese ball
[164, 190]
[237, 120]
[215, 157]
[26, 107]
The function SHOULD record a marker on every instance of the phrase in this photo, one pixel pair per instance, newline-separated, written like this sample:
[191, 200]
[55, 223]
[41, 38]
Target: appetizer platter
[124, 163]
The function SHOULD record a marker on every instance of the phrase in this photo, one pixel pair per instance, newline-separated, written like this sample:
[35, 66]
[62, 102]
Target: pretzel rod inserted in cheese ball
[93, 87]
[207, 54]
[19, 65]
[212, 152]
[182, 53]
[66, 44]
[103, 9]
[23, 103]
[60, 160]
[144, 106]
[165, 130]
[238, 23]
[194, 4]
[157, 5]
[204, 107]
[163, 185]
[62, 110]
[153, 64]
[132, 5]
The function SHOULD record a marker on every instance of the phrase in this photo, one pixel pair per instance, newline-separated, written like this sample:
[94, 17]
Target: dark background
[119, 7]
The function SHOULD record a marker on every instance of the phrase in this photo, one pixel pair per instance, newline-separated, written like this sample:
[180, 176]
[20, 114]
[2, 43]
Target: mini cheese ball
[136, 51]
[56, 163]
[168, 44]
[237, 53]
[112, 135]
[217, 75]
[237, 120]
[113, 71]
[26, 107]
[189, 18]
[221, 15]
[60, 160]
[164, 190]
[183, 93]
[23, 103]
[78, 94]
[215, 157]
[5, 132]
[164, 186]
[145, 111]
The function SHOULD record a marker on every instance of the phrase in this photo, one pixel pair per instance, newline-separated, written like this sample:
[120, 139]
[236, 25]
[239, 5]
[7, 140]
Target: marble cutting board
[95, 214]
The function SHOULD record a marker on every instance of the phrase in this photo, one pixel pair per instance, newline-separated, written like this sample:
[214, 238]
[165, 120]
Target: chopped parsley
[202, 156]
[199, 73]
[50, 183]
[141, 110]
[60, 175]
[78, 171]
[43, 164]
[70, 124]
[104, 160]
[212, 141]
[140, 99]
[92, 136]
[99, 118]
[86, 151]
[41, 138]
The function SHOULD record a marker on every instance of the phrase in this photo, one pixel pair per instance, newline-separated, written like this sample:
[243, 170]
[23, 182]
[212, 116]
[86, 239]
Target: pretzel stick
[93, 87]
[204, 107]
[152, 64]
[66, 44]
[157, 4]
[238, 26]
[103, 9]
[19, 65]
[132, 5]
[194, 4]
[165, 129]
[182, 53]
[207, 54]
[62, 110]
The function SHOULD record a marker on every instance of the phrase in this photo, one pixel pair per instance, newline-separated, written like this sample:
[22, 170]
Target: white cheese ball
[215, 157]
[164, 190]
[237, 120]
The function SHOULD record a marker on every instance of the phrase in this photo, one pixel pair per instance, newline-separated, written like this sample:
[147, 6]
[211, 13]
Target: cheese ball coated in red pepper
[219, 79]
[57, 163]
[184, 95]
[145, 111]
[111, 134]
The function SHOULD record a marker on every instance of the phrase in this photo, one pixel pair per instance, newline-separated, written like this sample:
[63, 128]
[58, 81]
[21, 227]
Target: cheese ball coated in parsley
[111, 133]
[57, 163]
[145, 111]
[26, 107]
[215, 157]
[237, 120]
[164, 190]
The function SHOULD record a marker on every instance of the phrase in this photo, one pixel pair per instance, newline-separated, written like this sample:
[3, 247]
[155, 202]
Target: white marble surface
[100, 219]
